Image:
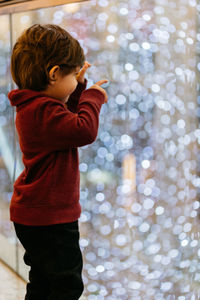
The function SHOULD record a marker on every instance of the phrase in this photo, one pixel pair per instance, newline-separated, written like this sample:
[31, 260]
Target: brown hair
[38, 49]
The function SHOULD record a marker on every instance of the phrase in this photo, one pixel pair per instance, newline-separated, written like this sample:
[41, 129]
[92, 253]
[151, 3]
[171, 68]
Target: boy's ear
[53, 73]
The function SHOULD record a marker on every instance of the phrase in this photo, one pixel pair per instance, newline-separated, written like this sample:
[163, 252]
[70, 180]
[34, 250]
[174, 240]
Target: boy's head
[38, 50]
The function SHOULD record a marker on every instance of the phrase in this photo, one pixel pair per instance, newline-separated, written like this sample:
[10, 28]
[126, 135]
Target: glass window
[140, 178]
[7, 151]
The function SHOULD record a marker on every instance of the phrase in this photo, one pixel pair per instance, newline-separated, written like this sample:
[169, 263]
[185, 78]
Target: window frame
[21, 6]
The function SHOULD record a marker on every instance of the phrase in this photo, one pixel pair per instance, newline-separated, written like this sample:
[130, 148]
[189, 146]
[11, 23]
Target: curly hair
[38, 49]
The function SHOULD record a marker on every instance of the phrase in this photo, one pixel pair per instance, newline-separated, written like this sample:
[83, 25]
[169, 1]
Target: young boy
[55, 116]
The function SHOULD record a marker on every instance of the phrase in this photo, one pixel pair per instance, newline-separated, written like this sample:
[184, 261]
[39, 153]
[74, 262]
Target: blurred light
[159, 210]
[145, 164]
[110, 38]
[146, 17]
[123, 11]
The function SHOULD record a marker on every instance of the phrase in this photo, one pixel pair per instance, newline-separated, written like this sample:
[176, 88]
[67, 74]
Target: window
[140, 178]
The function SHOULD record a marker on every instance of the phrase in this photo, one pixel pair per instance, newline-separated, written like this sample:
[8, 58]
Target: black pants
[55, 258]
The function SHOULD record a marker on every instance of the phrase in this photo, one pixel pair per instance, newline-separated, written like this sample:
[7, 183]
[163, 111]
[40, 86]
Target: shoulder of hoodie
[41, 108]
[43, 102]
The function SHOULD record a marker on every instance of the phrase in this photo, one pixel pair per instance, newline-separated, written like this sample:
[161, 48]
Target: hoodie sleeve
[72, 103]
[58, 128]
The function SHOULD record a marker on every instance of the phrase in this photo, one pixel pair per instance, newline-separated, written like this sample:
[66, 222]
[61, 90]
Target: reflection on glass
[140, 179]
[6, 132]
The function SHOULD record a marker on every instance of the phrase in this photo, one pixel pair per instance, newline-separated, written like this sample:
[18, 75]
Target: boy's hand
[81, 75]
[97, 86]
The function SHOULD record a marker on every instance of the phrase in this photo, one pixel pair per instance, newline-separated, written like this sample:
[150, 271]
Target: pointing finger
[100, 82]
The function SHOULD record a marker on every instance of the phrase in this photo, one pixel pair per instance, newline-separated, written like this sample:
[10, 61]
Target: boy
[55, 116]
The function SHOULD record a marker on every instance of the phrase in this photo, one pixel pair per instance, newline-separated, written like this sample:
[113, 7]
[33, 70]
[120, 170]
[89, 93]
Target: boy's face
[61, 87]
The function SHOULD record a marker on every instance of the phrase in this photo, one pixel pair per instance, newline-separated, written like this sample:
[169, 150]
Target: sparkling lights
[140, 178]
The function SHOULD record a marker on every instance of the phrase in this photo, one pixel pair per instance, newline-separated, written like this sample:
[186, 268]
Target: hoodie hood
[18, 97]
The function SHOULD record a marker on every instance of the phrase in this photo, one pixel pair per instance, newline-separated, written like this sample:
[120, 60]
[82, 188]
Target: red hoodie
[47, 191]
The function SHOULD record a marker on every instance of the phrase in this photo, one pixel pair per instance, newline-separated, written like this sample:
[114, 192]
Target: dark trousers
[55, 258]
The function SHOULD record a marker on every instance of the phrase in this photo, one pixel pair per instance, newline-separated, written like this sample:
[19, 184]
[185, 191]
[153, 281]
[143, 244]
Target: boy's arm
[73, 100]
[60, 128]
